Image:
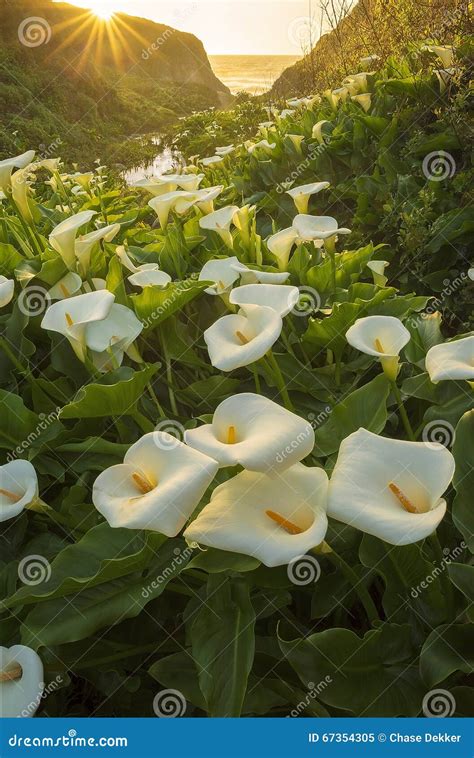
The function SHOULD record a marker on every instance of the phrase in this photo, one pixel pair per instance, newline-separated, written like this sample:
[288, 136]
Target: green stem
[403, 413]
[169, 376]
[145, 424]
[12, 357]
[279, 381]
[447, 589]
[153, 396]
[39, 506]
[357, 585]
[256, 379]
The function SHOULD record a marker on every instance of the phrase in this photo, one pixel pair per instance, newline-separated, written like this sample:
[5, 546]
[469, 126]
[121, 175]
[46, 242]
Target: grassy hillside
[76, 82]
[373, 27]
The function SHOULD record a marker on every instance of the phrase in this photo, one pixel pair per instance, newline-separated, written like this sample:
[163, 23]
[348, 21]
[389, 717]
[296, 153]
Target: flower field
[236, 413]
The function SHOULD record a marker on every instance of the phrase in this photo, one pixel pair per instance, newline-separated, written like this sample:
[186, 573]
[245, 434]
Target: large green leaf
[155, 304]
[17, 421]
[448, 648]
[373, 676]
[463, 451]
[366, 407]
[110, 399]
[331, 331]
[223, 643]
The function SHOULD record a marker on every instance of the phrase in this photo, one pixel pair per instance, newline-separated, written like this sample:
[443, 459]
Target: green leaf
[223, 643]
[366, 407]
[463, 451]
[217, 561]
[101, 555]
[155, 304]
[447, 649]
[462, 576]
[373, 676]
[110, 399]
[115, 283]
[330, 332]
[18, 424]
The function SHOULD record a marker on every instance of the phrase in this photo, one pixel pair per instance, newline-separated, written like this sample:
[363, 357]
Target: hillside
[69, 78]
[373, 27]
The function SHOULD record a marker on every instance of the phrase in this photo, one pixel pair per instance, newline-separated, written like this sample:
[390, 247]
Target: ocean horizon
[254, 74]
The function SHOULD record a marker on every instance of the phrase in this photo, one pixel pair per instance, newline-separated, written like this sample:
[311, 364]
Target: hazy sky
[226, 26]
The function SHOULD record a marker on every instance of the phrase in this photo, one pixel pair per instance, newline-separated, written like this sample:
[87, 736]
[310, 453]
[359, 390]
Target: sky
[227, 27]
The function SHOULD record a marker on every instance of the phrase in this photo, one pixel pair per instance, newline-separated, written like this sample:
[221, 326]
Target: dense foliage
[118, 615]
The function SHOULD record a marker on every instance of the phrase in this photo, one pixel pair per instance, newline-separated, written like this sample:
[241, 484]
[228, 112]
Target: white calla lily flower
[225, 150]
[254, 276]
[357, 83]
[220, 222]
[296, 140]
[72, 316]
[223, 271]
[18, 488]
[85, 244]
[311, 228]
[369, 59]
[164, 204]
[21, 181]
[67, 286]
[149, 275]
[203, 199]
[281, 245]
[444, 76]
[451, 360]
[390, 488]
[83, 180]
[263, 145]
[212, 160]
[188, 182]
[156, 185]
[382, 337]
[378, 268]
[63, 236]
[444, 52]
[21, 682]
[119, 329]
[7, 289]
[241, 339]
[364, 100]
[317, 132]
[302, 194]
[272, 518]
[157, 487]
[252, 431]
[7, 166]
[281, 297]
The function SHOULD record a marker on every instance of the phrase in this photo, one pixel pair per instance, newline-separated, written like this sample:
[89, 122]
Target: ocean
[250, 73]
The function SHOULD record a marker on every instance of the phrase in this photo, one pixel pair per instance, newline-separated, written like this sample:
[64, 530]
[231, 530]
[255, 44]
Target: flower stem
[357, 585]
[280, 382]
[39, 506]
[12, 357]
[256, 379]
[447, 589]
[403, 413]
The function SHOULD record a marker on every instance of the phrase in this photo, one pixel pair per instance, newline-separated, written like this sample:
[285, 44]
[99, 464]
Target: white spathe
[67, 286]
[7, 166]
[21, 682]
[156, 185]
[223, 271]
[281, 245]
[237, 519]
[364, 100]
[149, 275]
[444, 52]
[309, 228]
[451, 360]
[164, 204]
[157, 487]
[317, 132]
[213, 160]
[374, 476]
[7, 288]
[380, 336]
[85, 244]
[241, 339]
[63, 236]
[220, 222]
[254, 432]
[302, 194]
[378, 272]
[18, 488]
[281, 297]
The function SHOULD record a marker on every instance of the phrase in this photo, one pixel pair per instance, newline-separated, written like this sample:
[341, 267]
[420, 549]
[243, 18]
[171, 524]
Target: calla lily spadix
[281, 245]
[380, 336]
[149, 275]
[157, 487]
[164, 204]
[7, 166]
[243, 338]
[18, 488]
[302, 194]
[390, 488]
[7, 288]
[281, 297]
[252, 431]
[451, 360]
[72, 316]
[317, 132]
[21, 682]
[220, 222]
[63, 236]
[69, 285]
[310, 228]
[272, 518]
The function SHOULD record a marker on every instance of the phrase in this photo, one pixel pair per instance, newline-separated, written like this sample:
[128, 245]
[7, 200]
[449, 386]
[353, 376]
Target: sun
[102, 9]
